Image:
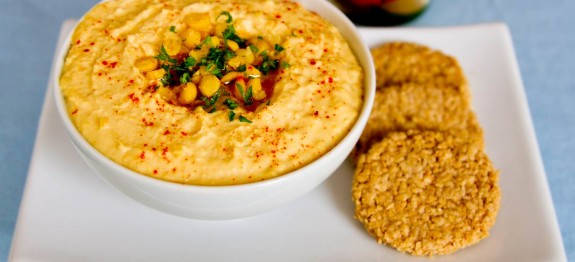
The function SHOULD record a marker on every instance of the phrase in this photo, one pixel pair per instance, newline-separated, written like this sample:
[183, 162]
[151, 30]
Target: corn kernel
[199, 54]
[215, 41]
[233, 45]
[235, 62]
[199, 22]
[209, 85]
[192, 38]
[172, 43]
[230, 77]
[261, 44]
[156, 74]
[246, 55]
[197, 76]
[258, 91]
[165, 92]
[188, 94]
[146, 64]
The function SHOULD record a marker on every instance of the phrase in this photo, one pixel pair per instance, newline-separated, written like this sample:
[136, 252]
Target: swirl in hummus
[210, 92]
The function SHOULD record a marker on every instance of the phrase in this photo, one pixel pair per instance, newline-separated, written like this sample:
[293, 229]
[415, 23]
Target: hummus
[210, 92]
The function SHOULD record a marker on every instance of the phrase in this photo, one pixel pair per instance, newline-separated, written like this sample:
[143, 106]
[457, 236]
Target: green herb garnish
[185, 78]
[163, 56]
[248, 96]
[231, 104]
[210, 101]
[173, 29]
[189, 61]
[254, 49]
[278, 48]
[208, 39]
[231, 116]
[285, 65]
[226, 13]
[268, 64]
[230, 34]
[240, 89]
[244, 120]
[241, 68]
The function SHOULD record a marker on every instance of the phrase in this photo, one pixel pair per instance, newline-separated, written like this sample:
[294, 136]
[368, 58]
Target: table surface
[543, 35]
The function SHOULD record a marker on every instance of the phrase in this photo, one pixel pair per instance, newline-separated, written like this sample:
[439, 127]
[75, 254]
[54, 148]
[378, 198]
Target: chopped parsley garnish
[189, 61]
[244, 120]
[214, 70]
[231, 116]
[185, 78]
[268, 64]
[254, 49]
[231, 104]
[230, 34]
[167, 79]
[285, 65]
[227, 14]
[241, 68]
[240, 89]
[248, 96]
[278, 48]
[163, 56]
[211, 101]
[172, 29]
[260, 37]
[208, 39]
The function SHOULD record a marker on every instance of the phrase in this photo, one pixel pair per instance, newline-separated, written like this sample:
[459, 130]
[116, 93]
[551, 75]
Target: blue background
[543, 34]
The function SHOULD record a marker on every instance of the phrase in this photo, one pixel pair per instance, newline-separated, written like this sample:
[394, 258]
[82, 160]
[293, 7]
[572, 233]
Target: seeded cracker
[417, 88]
[426, 193]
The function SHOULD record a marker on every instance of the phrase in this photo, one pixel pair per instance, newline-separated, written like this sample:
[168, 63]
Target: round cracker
[418, 88]
[426, 193]
[397, 63]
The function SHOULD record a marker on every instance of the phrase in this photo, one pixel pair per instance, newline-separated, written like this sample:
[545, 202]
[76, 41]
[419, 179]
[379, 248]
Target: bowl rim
[358, 126]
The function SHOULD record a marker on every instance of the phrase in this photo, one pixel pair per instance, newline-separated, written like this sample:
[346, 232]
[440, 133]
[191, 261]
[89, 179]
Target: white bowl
[227, 202]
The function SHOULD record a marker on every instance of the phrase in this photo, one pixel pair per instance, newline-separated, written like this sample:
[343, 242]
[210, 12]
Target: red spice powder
[146, 123]
[86, 50]
[312, 62]
[133, 97]
[143, 155]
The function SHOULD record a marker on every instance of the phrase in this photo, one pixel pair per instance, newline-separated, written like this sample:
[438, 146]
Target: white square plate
[68, 214]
